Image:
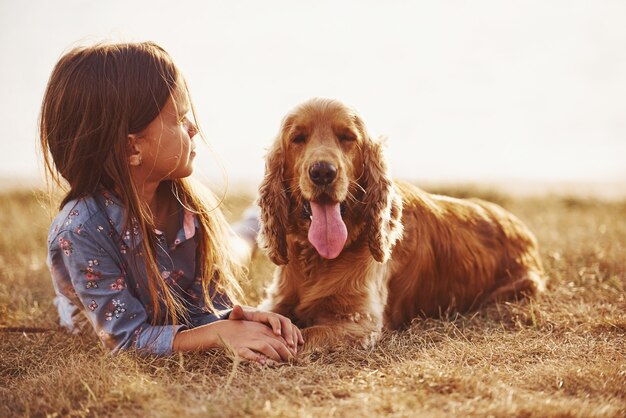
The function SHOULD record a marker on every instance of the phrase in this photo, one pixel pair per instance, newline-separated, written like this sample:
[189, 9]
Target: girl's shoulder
[91, 214]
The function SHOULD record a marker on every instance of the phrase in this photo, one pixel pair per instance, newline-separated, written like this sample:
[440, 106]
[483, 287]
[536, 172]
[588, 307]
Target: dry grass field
[562, 355]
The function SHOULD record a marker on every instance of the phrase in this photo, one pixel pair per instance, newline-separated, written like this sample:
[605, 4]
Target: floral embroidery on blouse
[119, 284]
[115, 309]
[91, 275]
[172, 277]
[108, 201]
[160, 238]
[135, 230]
[65, 245]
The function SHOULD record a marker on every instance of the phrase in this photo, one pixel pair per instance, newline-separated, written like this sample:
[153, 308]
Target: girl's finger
[289, 337]
[270, 348]
[275, 324]
[296, 336]
[292, 339]
[247, 354]
[300, 337]
[269, 333]
[237, 313]
[282, 349]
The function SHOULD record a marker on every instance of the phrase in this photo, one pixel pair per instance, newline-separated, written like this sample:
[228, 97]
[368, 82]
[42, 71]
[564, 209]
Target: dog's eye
[299, 139]
[347, 137]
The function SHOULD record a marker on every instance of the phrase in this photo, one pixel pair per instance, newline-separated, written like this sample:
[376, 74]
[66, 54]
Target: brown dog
[357, 251]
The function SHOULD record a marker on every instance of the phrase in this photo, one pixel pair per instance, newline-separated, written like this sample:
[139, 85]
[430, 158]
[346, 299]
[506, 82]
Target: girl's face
[166, 145]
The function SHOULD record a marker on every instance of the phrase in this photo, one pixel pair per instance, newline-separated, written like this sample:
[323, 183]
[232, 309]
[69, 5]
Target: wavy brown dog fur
[407, 253]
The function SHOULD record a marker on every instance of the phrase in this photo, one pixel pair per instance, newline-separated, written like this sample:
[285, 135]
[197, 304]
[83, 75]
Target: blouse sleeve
[119, 319]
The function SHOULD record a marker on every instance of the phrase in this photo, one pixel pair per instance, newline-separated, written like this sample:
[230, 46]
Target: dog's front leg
[361, 331]
[281, 296]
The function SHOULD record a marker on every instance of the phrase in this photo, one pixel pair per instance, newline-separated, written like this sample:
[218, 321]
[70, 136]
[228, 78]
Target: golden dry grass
[560, 355]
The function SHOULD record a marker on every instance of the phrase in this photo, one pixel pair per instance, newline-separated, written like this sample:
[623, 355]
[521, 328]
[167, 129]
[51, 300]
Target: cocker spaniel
[357, 251]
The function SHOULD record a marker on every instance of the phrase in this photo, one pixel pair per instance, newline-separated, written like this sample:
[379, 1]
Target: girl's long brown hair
[95, 98]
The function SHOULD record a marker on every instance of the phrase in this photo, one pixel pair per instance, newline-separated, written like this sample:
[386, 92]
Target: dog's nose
[322, 173]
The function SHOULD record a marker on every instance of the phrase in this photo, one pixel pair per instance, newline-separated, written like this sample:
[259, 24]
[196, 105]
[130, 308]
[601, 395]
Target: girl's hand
[247, 339]
[253, 341]
[281, 326]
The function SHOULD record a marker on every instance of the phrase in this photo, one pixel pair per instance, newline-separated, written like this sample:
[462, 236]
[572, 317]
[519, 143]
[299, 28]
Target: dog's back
[455, 255]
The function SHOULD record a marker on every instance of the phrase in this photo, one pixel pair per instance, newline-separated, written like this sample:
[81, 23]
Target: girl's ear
[274, 204]
[134, 151]
[383, 204]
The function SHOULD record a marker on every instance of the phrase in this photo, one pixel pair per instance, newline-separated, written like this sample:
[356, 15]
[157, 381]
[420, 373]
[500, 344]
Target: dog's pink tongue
[327, 233]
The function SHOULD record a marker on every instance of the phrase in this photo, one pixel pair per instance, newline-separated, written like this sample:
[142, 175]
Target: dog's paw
[325, 339]
[367, 342]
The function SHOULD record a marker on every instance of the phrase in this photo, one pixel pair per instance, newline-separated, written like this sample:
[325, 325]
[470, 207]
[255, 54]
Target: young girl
[137, 249]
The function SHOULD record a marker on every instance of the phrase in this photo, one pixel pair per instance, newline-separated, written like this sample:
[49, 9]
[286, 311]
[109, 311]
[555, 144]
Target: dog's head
[327, 178]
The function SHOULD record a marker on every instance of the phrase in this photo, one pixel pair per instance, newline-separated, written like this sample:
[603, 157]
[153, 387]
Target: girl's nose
[192, 129]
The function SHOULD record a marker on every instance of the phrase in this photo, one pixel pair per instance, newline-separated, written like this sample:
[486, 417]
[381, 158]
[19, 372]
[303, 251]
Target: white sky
[465, 90]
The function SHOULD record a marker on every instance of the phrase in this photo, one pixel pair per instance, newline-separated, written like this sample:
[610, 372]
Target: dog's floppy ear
[274, 204]
[383, 204]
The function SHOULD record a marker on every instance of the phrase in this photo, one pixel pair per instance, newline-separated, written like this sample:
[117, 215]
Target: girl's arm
[247, 339]
[85, 273]
[89, 276]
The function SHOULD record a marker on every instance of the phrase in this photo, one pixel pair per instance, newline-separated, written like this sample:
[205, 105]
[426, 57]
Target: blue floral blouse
[98, 275]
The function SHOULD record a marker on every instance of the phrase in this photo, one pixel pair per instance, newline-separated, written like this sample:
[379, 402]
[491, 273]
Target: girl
[137, 249]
